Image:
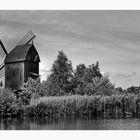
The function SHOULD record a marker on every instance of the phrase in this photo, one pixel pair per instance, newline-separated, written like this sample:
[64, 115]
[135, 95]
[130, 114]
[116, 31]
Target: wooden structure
[20, 64]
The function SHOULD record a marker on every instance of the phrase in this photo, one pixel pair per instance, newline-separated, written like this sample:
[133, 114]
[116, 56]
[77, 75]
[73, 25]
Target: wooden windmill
[20, 63]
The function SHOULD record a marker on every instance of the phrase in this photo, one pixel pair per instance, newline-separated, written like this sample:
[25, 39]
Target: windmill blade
[3, 51]
[2, 73]
[1, 76]
[2, 70]
[2, 66]
[27, 38]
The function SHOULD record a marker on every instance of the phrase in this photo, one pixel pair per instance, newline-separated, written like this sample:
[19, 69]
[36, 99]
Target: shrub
[24, 97]
[35, 88]
[8, 103]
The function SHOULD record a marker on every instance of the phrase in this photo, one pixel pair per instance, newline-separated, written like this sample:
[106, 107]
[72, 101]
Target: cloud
[129, 80]
[123, 75]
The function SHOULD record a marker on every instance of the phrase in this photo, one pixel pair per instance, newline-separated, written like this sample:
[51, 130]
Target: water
[69, 124]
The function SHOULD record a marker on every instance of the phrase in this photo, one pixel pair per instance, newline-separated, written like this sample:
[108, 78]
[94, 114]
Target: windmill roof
[23, 53]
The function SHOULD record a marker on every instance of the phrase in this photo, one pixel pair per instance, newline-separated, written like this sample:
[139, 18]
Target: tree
[91, 72]
[83, 77]
[103, 86]
[77, 80]
[133, 90]
[58, 82]
[119, 89]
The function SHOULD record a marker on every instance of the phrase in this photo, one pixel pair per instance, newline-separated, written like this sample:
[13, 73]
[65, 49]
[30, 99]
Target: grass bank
[94, 106]
[116, 105]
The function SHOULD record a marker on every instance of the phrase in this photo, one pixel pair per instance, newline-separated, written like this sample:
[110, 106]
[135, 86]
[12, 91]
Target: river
[69, 124]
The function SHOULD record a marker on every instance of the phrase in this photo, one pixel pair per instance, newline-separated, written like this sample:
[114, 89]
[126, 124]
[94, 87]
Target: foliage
[8, 103]
[119, 90]
[91, 72]
[24, 97]
[58, 82]
[35, 88]
[95, 105]
[85, 74]
[98, 86]
[133, 90]
[114, 105]
[84, 79]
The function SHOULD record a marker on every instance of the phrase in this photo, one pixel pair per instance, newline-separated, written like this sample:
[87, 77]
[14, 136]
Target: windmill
[27, 39]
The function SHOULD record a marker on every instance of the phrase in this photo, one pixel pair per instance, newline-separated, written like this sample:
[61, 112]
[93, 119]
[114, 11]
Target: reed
[115, 105]
[95, 106]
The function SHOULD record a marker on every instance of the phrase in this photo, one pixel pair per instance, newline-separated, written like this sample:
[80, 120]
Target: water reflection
[71, 123]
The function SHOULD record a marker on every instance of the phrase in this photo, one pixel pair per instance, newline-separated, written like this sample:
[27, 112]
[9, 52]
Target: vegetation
[8, 103]
[66, 92]
[58, 82]
[125, 105]
[95, 106]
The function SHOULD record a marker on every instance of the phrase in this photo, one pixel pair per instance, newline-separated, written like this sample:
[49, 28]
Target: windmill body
[21, 63]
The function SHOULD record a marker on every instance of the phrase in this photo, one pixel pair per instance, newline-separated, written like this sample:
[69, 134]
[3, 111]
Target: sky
[110, 37]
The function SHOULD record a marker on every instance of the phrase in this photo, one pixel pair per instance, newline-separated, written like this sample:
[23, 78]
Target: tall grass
[63, 106]
[115, 105]
[95, 106]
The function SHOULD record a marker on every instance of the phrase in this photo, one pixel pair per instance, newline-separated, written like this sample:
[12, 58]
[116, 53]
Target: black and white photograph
[69, 69]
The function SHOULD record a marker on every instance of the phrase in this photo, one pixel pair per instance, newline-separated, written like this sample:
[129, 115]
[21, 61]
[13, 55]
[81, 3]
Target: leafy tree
[77, 80]
[103, 86]
[119, 89]
[98, 86]
[133, 90]
[80, 71]
[91, 72]
[58, 82]
[83, 78]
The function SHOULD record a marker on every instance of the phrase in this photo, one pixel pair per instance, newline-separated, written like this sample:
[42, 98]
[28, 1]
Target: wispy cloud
[124, 75]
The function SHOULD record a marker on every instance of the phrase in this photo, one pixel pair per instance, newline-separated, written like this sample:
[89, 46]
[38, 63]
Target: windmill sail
[27, 38]
[2, 66]
[2, 72]
[3, 51]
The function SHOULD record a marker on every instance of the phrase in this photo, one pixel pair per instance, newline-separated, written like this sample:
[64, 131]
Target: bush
[24, 97]
[8, 103]
[35, 88]
[98, 86]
